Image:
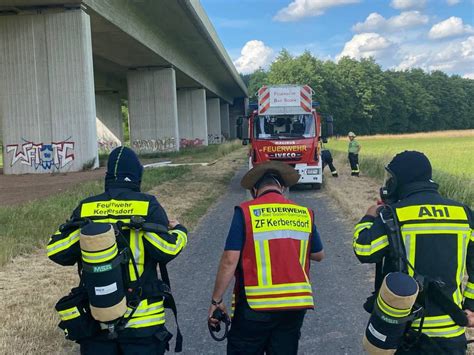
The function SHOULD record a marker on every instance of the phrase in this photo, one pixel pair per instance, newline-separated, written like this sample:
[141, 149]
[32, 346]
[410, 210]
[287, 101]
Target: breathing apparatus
[388, 192]
[394, 304]
[103, 297]
[400, 297]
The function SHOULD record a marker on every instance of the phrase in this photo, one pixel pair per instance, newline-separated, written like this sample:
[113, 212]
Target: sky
[399, 34]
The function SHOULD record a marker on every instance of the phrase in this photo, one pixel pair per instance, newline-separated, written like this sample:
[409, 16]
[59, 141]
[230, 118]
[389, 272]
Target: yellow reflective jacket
[439, 243]
[147, 248]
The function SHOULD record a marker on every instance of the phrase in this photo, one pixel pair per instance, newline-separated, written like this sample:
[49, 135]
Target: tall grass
[455, 187]
[28, 226]
[450, 154]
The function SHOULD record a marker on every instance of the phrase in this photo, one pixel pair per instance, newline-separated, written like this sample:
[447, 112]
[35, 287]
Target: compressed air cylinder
[102, 272]
[387, 324]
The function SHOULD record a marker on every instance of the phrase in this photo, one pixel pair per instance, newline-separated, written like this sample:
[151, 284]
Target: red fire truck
[286, 127]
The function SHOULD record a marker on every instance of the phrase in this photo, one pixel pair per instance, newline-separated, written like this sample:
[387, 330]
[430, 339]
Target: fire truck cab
[287, 128]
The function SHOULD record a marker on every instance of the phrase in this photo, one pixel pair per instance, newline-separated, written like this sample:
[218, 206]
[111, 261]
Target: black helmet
[410, 166]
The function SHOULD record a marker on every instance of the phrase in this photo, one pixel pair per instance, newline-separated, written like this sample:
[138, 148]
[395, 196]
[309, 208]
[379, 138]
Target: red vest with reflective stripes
[275, 259]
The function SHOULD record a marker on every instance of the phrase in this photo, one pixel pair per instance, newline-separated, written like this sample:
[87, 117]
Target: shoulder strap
[395, 241]
[171, 304]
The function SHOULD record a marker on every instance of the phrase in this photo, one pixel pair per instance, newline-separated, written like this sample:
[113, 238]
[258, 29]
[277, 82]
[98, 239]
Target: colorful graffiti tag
[107, 146]
[215, 138]
[155, 145]
[184, 143]
[39, 155]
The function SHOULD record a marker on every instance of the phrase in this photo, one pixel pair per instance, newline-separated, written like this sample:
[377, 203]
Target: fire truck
[285, 126]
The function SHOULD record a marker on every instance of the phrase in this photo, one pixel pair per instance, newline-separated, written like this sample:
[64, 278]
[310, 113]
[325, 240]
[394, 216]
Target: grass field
[28, 226]
[450, 154]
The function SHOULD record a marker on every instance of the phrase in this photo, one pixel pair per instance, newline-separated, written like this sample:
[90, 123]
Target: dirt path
[16, 189]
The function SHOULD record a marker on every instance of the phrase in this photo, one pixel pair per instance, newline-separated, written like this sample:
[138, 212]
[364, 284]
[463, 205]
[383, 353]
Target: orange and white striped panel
[306, 95]
[263, 100]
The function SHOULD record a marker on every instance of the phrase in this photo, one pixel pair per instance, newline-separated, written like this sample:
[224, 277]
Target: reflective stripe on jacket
[275, 258]
[439, 243]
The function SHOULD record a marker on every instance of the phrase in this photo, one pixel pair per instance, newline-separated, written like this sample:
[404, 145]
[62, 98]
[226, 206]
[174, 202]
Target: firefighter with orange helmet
[269, 247]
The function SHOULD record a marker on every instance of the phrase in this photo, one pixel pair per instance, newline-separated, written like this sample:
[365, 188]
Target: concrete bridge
[65, 66]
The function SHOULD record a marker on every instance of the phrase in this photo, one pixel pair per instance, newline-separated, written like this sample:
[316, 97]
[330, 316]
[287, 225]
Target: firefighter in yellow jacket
[438, 244]
[269, 247]
[141, 329]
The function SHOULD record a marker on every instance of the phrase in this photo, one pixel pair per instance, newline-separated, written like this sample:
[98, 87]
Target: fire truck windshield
[284, 127]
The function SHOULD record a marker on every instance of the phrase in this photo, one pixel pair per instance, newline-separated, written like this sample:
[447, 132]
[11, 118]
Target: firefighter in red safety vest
[269, 247]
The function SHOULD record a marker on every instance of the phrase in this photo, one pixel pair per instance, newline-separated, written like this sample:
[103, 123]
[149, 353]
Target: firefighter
[144, 331]
[269, 247]
[354, 149]
[436, 243]
[326, 157]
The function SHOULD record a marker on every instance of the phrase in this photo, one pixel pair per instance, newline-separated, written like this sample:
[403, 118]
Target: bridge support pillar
[47, 101]
[109, 121]
[238, 109]
[225, 126]
[153, 110]
[214, 132]
[192, 113]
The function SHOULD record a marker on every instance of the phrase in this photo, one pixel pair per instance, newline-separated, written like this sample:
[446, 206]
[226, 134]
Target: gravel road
[340, 283]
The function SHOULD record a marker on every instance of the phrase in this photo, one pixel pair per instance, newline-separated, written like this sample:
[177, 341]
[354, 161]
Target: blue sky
[400, 34]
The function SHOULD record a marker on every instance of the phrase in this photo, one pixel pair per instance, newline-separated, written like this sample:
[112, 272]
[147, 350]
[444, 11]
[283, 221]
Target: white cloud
[299, 9]
[376, 22]
[456, 57]
[453, 26]
[407, 4]
[364, 45]
[453, 2]
[468, 76]
[254, 55]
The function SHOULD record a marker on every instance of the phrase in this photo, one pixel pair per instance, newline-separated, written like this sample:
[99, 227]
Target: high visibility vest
[275, 258]
[436, 238]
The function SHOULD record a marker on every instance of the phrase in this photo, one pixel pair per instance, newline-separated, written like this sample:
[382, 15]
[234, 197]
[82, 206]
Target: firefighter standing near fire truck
[269, 247]
[354, 149]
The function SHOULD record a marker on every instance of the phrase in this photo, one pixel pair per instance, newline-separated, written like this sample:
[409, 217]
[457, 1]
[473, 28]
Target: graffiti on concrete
[215, 138]
[42, 156]
[184, 143]
[107, 146]
[155, 145]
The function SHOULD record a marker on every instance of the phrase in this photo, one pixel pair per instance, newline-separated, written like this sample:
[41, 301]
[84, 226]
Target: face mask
[388, 192]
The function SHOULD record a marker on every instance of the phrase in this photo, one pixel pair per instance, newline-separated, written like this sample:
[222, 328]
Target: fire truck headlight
[312, 171]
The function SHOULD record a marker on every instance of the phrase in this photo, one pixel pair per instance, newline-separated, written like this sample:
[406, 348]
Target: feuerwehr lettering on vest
[113, 208]
[280, 217]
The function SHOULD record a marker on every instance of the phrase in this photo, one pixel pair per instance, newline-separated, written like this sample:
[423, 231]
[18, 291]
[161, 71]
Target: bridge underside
[154, 54]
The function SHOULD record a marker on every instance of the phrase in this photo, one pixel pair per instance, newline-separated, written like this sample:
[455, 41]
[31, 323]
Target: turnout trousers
[328, 161]
[255, 333]
[439, 346]
[354, 162]
[101, 345]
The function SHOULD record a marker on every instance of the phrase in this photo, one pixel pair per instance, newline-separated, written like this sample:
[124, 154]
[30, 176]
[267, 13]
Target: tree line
[368, 100]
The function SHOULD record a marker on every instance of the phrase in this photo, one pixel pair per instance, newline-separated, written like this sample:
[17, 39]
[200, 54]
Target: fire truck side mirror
[329, 126]
[245, 141]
